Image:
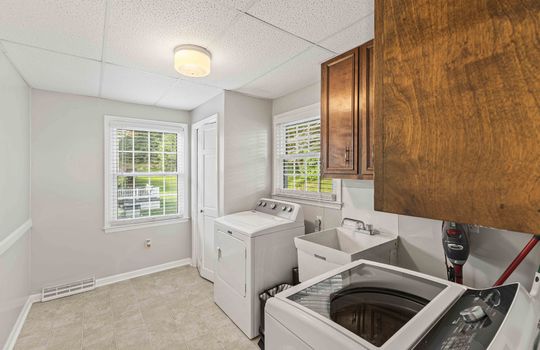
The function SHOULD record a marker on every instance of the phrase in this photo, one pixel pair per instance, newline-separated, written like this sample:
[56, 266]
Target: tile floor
[172, 309]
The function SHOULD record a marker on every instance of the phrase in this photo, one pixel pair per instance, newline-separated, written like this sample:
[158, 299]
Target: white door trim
[194, 176]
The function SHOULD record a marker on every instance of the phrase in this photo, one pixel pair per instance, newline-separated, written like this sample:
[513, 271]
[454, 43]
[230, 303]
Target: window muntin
[298, 150]
[146, 172]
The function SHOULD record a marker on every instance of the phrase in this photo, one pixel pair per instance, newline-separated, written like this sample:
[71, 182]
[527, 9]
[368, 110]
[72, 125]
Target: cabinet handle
[347, 154]
[218, 253]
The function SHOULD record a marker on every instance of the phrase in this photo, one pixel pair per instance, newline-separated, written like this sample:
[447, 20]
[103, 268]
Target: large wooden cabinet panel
[458, 111]
[347, 114]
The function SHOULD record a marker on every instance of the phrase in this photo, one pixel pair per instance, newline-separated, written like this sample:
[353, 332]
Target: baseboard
[100, 282]
[17, 327]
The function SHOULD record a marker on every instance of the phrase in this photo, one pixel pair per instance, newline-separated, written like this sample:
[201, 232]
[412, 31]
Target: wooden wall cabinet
[347, 117]
[367, 106]
[458, 111]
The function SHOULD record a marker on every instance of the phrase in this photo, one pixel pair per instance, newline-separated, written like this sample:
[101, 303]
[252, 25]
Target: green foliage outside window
[153, 191]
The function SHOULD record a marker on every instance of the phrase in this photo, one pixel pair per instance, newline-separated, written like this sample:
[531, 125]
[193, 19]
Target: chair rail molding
[14, 236]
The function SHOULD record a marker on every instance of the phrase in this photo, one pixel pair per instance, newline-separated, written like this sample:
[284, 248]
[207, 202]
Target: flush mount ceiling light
[192, 60]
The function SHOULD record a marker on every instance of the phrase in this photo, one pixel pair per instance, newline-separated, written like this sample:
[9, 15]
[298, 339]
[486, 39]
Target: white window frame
[322, 200]
[145, 125]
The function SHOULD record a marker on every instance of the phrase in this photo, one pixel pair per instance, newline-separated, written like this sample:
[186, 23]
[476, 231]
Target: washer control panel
[472, 322]
[282, 209]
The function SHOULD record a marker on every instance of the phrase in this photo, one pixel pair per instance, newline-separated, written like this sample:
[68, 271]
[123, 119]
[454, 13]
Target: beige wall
[244, 132]
[213, 106]
[247, 141]
[15, 192]
[67, 194]
[304, 97]
[14, 149]
[420, 239]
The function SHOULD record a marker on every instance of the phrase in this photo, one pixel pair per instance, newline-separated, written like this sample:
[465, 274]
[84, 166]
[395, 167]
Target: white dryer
[373, 306]
[254, 251]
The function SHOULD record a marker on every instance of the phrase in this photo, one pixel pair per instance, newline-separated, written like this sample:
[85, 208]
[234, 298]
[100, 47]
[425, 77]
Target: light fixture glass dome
[192, 60]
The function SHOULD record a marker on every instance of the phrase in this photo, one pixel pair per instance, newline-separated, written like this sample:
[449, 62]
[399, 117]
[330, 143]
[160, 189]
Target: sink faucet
[361, 226]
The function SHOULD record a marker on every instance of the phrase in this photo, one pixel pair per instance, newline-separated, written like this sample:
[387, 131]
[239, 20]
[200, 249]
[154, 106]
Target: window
[297, 149]
[145, 175]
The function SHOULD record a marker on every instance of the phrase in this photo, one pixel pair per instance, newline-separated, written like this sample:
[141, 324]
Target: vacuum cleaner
[455, 239]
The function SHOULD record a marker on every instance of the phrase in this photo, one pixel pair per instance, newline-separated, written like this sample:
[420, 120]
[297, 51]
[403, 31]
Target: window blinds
[146, 174]
[298, 150]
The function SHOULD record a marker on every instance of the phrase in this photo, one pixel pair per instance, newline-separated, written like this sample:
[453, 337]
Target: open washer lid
[377, 284]
[253, 223]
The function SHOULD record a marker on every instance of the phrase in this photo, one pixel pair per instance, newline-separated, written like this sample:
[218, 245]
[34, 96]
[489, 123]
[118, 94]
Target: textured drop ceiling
[122, 49]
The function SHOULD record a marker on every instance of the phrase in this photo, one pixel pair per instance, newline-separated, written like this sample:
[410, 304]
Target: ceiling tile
[143, 34]
[242, 5]
[52, 71]
[312, 19]
[351, 37]
[74, 27]
[301, 71]
[131, 85]
[187, 95]
[248, 50]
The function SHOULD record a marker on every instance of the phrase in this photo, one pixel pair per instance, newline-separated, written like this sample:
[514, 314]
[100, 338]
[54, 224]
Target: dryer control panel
[472, 322]
[286, 210]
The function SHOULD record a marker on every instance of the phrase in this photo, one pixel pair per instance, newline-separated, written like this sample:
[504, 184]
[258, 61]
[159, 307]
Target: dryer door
[231, 261]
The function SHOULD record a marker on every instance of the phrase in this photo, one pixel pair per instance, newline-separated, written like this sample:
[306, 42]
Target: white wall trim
[14, 236]
[317, 203]
[100, 282]
[17, 327]
[146, 224]
[206, 120]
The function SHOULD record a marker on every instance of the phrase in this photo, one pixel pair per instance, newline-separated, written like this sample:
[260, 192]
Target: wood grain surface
[339, 115]
[458, 111]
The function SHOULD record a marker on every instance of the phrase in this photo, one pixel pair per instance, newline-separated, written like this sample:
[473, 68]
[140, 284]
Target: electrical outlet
[148, 243]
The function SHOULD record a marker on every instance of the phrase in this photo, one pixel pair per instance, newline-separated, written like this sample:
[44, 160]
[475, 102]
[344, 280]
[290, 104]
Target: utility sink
[323, 251]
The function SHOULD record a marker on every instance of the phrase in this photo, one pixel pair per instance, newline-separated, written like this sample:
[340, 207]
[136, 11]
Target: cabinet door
[458, 111]
[339, 116]
[367, 104]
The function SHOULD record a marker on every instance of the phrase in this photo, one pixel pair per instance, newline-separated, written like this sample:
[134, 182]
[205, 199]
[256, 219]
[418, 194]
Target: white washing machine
[254, 251]
[368, 305]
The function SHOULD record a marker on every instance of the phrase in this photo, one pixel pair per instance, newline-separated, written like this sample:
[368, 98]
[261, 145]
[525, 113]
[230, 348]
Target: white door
[207, 197]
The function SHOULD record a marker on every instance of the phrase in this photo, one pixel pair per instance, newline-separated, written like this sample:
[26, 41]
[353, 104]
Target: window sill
[136, 226]
[309, 201]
